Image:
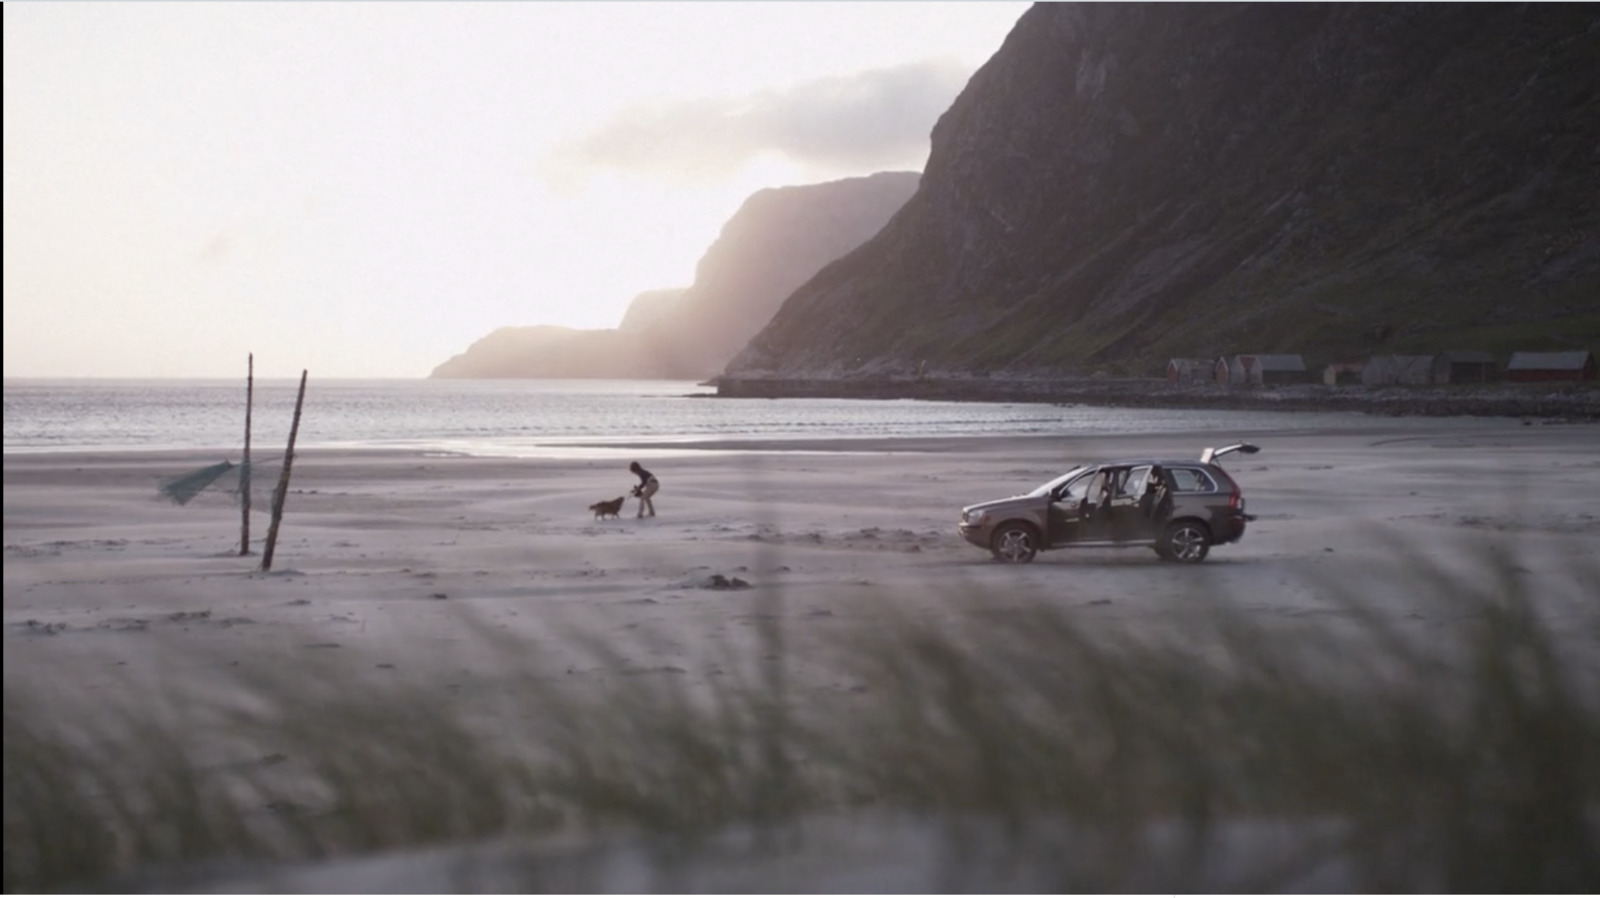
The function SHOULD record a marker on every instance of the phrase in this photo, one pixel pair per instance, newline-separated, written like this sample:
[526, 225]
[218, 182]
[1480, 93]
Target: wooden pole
[244, 472]
[283, 480]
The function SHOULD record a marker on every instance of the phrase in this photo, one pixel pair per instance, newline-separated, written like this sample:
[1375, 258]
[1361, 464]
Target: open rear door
[1211, 455]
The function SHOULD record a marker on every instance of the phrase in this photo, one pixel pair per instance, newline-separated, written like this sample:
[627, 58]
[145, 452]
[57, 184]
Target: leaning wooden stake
[244, 471]
[283, 480]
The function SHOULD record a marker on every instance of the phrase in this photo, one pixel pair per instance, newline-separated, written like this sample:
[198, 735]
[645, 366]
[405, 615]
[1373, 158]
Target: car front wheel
[1185, 541]
[1015, 543]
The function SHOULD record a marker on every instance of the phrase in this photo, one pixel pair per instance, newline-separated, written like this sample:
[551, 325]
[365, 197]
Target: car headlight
[974, 518]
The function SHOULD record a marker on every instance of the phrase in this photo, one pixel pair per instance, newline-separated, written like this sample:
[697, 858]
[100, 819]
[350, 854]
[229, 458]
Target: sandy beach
[455, 579]
[390, 559]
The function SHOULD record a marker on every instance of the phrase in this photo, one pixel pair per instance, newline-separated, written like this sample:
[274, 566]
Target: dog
[609, 508]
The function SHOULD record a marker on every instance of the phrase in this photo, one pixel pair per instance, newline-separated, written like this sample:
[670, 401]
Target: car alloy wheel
[1015, 543]
[1186, 541]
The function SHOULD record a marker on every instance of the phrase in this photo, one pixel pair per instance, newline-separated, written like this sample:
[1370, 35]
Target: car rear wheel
[1015, 543]
[1185, 541]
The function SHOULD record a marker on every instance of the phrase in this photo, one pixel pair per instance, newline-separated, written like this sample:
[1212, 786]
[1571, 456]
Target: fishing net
[185, 487]
[223, 476]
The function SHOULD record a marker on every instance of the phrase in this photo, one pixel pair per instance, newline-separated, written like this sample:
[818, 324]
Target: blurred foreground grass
[1459, 756]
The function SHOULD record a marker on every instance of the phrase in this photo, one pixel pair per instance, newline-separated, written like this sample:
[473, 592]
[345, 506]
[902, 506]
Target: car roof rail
[1210, 455]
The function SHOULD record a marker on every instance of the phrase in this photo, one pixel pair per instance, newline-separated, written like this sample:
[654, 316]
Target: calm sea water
[527, 418]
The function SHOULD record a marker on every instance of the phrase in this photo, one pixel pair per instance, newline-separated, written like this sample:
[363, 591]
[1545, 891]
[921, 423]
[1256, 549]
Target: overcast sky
[363, 189]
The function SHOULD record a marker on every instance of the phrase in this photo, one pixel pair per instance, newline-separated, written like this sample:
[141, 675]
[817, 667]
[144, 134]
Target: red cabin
[1538, 367]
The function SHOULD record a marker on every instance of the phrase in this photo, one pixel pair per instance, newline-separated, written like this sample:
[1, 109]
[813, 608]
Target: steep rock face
[650, 308]
[1127, 182]
[549, 351]
[777, 240]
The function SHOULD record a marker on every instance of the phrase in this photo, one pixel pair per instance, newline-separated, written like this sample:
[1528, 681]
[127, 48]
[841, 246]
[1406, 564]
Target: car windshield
[1048, 489]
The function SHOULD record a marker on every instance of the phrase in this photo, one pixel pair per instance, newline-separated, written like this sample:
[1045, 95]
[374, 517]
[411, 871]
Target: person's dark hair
[633, 466]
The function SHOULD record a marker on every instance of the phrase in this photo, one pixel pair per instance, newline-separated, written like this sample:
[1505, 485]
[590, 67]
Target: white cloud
[871, 119]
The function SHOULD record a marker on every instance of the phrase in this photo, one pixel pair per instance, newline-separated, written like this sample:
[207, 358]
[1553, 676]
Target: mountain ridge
[1122, 183]
[777, 239]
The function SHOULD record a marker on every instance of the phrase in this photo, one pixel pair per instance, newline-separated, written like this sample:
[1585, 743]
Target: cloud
[857, 122]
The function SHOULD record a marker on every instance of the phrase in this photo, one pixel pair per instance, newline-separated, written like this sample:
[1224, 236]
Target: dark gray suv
[1179, 508]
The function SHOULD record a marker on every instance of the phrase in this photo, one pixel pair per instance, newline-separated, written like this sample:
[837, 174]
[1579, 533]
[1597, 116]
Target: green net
[222, 477]
[185, 487]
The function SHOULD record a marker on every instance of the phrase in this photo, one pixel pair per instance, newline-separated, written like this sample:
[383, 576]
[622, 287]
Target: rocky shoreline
[1572, 401]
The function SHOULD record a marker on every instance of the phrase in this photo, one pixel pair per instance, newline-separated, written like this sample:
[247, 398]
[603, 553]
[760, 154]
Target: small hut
[1343, 373]
[1221, 372]
[1189, 371]
[1464, 368]
[1284, 369]
[1384, 370]
[1536, 367]
[1260, 369]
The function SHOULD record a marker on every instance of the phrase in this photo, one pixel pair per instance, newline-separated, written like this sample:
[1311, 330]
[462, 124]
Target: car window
[1191, 480]
[1133, 486]
[1077, 489]
[1054, 487]
[1104, 486]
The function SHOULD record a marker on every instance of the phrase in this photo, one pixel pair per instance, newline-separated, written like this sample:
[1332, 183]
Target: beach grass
[1457, 756]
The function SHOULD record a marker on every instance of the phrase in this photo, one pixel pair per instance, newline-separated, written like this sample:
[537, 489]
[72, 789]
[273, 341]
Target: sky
[364, 189]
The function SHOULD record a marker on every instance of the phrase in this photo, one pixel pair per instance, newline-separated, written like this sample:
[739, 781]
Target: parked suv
[1179, 508]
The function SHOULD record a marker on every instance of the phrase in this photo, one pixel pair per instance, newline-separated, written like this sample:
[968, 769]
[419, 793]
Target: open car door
[1129, 516]
[1067, 508]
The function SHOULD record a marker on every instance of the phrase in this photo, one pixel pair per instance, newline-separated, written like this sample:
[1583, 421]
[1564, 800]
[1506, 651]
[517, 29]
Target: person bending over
[648, 484]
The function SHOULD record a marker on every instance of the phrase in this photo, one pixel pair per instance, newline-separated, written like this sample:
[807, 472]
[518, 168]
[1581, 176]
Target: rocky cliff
[1121, 183]
[776, 241]
[548, 351]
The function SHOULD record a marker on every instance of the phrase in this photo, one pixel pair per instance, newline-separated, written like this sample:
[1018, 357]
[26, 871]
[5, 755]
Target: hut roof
[1280, 363]
[1548, 361]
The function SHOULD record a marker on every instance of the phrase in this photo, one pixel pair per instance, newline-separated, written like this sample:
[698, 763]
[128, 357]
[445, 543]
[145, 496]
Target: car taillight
[1236, 501]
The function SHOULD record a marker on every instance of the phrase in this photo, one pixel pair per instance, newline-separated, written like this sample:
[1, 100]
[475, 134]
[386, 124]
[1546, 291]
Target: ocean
[526, 418]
